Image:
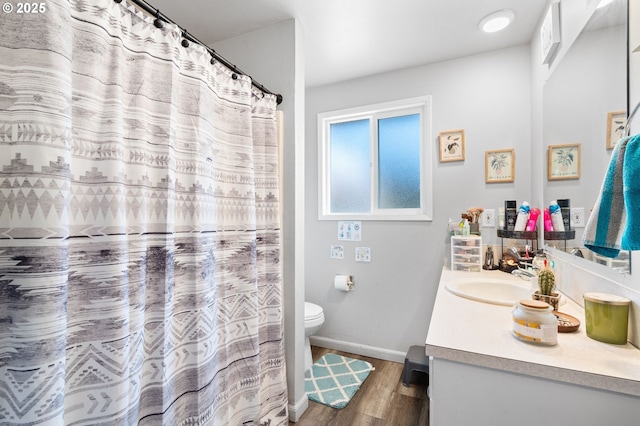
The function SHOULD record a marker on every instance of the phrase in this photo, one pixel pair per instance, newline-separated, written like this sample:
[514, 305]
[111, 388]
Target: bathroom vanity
[480, 374]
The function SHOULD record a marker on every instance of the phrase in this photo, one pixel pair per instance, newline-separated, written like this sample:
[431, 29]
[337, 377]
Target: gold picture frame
[452, 145]
[563, 161]
[499, 165]
[615, 127]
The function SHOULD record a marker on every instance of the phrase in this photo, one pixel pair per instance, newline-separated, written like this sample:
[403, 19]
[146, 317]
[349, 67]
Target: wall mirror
[584, 96]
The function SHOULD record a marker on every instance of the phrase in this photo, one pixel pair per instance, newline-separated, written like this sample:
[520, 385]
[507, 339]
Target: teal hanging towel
[631, 182]
[603, 233]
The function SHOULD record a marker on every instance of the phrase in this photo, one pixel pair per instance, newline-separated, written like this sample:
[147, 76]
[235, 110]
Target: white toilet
[313, 320]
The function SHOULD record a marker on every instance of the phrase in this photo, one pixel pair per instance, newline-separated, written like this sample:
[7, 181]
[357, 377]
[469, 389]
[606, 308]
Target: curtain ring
[185, 42]
[157, 22]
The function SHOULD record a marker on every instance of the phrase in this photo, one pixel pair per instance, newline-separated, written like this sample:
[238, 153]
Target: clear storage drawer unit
[466, 253]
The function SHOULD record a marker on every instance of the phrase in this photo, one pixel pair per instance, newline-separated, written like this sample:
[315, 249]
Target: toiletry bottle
[452, 227]
[533, 220]
[501, 223]
[539, 262]
[522, 218]
[510, 212]
[466, 229]
[565, 209]
[556, 216]
[548, 224]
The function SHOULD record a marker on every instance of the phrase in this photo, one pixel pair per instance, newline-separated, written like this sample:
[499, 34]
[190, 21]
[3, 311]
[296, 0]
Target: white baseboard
[358, 349]
[301, 405]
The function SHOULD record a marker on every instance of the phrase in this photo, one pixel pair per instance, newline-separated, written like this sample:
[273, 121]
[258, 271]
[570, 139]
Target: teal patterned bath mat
[334, 379]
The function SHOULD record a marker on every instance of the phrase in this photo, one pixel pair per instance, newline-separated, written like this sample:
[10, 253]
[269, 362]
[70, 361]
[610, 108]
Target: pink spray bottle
[533, 220]
[548, 224]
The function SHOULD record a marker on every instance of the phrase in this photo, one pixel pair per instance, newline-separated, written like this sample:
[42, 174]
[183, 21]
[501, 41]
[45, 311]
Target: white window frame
[420, 105]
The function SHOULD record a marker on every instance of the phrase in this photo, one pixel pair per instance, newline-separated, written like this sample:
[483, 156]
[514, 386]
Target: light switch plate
[577, 217]
[489, 218]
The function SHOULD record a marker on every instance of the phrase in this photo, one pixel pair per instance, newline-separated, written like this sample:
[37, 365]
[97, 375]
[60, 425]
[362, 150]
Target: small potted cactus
[547, 283]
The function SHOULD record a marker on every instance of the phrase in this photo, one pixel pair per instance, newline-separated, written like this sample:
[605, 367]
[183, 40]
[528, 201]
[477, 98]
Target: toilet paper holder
[344, 283]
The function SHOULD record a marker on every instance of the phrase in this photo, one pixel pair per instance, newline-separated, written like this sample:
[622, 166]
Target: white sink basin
[488, 290]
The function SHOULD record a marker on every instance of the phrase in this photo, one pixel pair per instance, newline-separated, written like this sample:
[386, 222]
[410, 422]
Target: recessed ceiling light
[496, 21]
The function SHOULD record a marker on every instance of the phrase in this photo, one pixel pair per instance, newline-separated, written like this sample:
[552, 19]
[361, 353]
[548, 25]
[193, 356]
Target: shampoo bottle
[556, 216]
[565, 209]
[522, 218]
[510, 213]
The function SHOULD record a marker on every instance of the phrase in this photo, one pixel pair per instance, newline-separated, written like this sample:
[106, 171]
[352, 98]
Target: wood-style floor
[382, 400]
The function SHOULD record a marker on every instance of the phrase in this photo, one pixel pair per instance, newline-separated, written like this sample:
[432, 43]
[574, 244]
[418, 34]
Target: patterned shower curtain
[139, 237]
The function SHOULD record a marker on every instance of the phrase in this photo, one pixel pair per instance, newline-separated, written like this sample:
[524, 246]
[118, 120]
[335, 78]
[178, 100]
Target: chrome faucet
[523, 273]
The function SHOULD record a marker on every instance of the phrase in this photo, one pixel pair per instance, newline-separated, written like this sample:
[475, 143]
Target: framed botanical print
[499, 165]
[563, 161]
[616, 121]
[452, 146]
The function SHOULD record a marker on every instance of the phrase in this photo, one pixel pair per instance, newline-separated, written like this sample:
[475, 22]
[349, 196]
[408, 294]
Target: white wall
[273, 55]
[576, 103]
[488, 95]
[573, 16]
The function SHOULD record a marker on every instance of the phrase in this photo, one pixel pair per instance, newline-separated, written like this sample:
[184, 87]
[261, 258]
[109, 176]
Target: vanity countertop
[479, 334]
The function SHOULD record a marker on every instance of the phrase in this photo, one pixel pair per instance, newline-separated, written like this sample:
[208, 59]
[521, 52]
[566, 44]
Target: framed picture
[616, 121]
[452, 146]
[499, 165]
[564, 161]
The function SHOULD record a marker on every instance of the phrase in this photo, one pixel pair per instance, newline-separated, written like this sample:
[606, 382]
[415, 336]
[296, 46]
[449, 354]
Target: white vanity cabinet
[466, 253]
[479, 374]
[465, 394]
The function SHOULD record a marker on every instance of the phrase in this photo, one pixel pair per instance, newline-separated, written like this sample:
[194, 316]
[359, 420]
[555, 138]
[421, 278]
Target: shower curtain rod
[160, 17]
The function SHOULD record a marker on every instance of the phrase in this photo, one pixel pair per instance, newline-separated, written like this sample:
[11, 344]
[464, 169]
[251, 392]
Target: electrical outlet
[489, 218]
[577, 217]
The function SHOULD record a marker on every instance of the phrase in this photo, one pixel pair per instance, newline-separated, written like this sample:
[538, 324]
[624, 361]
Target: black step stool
[416, 360]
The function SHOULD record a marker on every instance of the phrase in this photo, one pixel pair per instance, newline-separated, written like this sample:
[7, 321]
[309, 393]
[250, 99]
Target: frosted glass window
[374, 162]
[399, 162]
[349, 164]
